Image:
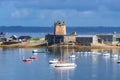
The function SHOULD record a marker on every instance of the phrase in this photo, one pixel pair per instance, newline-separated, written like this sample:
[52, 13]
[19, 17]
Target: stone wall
[69, 39]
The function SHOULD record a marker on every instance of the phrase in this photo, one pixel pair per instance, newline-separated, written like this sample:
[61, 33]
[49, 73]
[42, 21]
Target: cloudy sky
[73, 12]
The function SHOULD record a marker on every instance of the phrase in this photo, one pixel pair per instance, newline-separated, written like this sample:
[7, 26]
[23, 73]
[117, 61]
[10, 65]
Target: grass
[88, 47]
[63, 46]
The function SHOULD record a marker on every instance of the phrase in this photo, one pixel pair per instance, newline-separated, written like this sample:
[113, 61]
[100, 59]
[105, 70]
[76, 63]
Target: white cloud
[87, 12]
[16, 14]
[20, 13]
[75, 12]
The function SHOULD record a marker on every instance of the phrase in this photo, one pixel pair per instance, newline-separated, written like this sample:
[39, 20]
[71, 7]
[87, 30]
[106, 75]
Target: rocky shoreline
[63, 46]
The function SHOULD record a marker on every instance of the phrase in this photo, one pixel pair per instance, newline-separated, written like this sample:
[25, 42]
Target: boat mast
[60, 49]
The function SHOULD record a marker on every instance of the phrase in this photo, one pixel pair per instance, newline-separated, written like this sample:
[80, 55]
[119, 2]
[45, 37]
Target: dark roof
[59, 23]
[25, 37]
[13, 37]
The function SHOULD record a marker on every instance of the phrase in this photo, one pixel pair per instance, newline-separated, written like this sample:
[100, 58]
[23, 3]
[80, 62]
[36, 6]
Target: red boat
[27, 60]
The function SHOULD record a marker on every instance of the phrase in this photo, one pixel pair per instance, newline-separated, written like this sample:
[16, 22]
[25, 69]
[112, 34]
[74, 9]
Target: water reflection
[91, 64]
[94, 54]
[64, 73]
[94, 62]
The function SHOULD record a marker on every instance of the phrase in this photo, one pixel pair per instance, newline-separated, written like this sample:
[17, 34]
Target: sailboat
[64, 63]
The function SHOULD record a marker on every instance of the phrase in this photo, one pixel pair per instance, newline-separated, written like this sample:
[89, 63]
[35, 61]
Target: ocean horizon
[42, 31]
[99, 29]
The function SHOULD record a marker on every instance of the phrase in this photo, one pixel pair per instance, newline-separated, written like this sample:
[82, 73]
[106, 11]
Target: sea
[42, 31]
[91, 64]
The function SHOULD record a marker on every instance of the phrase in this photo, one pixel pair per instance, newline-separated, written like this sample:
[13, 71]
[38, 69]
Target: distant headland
[61, 38]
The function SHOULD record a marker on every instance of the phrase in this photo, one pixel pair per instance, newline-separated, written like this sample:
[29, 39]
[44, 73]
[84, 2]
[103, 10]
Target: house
[24, 38]
[14, 37]
[86, 40]
[108, 39]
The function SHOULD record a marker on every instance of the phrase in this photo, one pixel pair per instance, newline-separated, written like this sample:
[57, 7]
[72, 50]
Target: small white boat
[114, 55]
[118, 61]
[65, 65]
[106, 54]
[64, 68]
[54, 61]
[35, 51]
[72, 56]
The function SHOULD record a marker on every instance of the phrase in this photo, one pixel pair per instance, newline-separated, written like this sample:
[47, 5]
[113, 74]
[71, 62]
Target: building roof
[104, 34]
[25, 37]
[59, 23]
[14, 37]
[85, 36]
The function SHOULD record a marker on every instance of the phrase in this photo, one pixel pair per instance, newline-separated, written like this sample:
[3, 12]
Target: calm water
[90, 66]
[42, 31]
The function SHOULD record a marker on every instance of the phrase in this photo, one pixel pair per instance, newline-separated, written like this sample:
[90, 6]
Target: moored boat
[72, 56]
[27, 60]
[65, 65]
[114, 55]
[35, 51]
[53, 61]
[118, 61]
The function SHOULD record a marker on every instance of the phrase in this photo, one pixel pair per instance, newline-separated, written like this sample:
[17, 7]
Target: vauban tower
[59, 28]
[59, 35]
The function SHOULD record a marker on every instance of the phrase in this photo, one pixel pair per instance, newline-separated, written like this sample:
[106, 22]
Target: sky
[46, 12]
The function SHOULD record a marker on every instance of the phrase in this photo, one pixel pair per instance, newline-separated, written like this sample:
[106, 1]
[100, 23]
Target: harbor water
[91, 65]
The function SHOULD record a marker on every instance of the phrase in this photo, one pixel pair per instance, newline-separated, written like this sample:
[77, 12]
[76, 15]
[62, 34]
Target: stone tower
[59, 28]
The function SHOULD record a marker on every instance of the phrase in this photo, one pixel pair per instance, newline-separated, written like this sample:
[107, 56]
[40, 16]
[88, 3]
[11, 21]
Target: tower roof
[59, 23]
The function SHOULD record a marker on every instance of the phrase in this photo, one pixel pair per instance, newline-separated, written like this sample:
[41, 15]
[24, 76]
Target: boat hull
[65, 65]
[53, 61]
